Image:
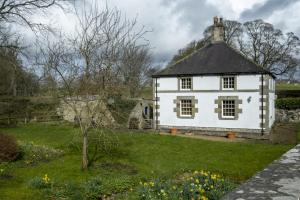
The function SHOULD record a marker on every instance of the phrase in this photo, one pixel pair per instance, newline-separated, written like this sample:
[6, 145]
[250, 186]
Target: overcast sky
[174, 23]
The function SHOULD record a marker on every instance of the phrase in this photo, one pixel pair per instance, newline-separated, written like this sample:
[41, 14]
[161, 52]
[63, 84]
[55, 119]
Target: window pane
[186, 83]
[228, 82]
[228, 108]
[186, 107]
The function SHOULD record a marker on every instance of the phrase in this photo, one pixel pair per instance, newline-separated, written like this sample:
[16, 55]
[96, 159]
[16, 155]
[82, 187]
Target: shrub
[121, 109]
[9, 149]
[37, 153]
[197, 185]
[40, 183]
[288, 103]
[94, 188]
[64, 191]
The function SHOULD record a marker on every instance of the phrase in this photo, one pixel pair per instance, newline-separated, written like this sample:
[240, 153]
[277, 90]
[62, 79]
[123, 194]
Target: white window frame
[184, 115]
[191, 83]
[234, 107]
[228, 77]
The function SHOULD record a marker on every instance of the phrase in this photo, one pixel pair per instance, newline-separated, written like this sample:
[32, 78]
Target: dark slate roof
[213, 59]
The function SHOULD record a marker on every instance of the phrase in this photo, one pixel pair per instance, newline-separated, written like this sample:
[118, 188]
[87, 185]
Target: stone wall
[96, 108]
[287, 115]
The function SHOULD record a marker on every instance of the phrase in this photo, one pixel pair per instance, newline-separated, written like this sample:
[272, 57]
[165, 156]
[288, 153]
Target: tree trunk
[85, 160]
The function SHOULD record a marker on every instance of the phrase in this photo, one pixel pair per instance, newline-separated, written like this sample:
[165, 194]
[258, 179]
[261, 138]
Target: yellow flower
[213, 176]
[145, 184]
[151, 183]
[174, 187]
[197, 181]
[211, 186]
[46, 179]
[204, 198]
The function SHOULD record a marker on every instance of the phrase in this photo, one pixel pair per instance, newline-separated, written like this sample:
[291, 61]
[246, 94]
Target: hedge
[288, 103]
[287, 93]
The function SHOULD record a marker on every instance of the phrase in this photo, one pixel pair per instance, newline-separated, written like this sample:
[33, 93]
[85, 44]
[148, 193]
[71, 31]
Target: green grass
[286, 86]
[149, 154]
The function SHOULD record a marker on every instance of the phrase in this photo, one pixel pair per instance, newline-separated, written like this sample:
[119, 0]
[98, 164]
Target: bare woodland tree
[269, 47]
[134, 67]
[21, 11]
[85, 64]
[232, 31]
[18, 12]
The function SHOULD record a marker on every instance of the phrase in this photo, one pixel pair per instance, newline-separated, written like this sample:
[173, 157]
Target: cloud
[194, 14]
[175, 23]
[264, 10]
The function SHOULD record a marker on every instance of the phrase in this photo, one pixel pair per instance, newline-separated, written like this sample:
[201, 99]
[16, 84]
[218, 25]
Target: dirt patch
[284, 133]
[110, 166]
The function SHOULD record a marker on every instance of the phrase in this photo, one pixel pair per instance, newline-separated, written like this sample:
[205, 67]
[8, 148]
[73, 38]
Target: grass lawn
[286, 86]
[143, 155]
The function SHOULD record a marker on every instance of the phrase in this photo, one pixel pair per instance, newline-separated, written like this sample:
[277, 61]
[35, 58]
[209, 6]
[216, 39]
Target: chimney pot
[218, 30]
[215, 20]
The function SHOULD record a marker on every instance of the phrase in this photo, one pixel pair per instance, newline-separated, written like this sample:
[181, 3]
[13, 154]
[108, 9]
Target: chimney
[218, 30]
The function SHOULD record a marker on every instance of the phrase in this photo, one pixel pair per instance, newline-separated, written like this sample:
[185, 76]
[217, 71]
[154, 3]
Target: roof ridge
[192, 53]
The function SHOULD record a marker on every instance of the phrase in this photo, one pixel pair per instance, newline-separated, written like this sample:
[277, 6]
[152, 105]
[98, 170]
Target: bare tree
[232, 30]
[84, 64]
[21, 11]
[135, 64]
[269, 47]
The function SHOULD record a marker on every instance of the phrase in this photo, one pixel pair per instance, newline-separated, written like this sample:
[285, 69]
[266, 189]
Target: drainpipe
[156, 116]
[262, 104]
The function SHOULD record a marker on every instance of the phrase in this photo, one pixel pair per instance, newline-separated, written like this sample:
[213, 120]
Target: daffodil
[46, 179]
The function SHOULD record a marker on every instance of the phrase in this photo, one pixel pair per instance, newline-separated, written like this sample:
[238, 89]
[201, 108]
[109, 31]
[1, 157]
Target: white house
[215, 90]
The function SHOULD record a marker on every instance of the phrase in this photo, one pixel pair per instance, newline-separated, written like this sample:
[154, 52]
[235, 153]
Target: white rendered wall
[206, 116]
[245, 82]
[206, 83]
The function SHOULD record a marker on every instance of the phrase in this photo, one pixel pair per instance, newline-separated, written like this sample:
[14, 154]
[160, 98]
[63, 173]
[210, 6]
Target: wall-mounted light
[249, 99]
